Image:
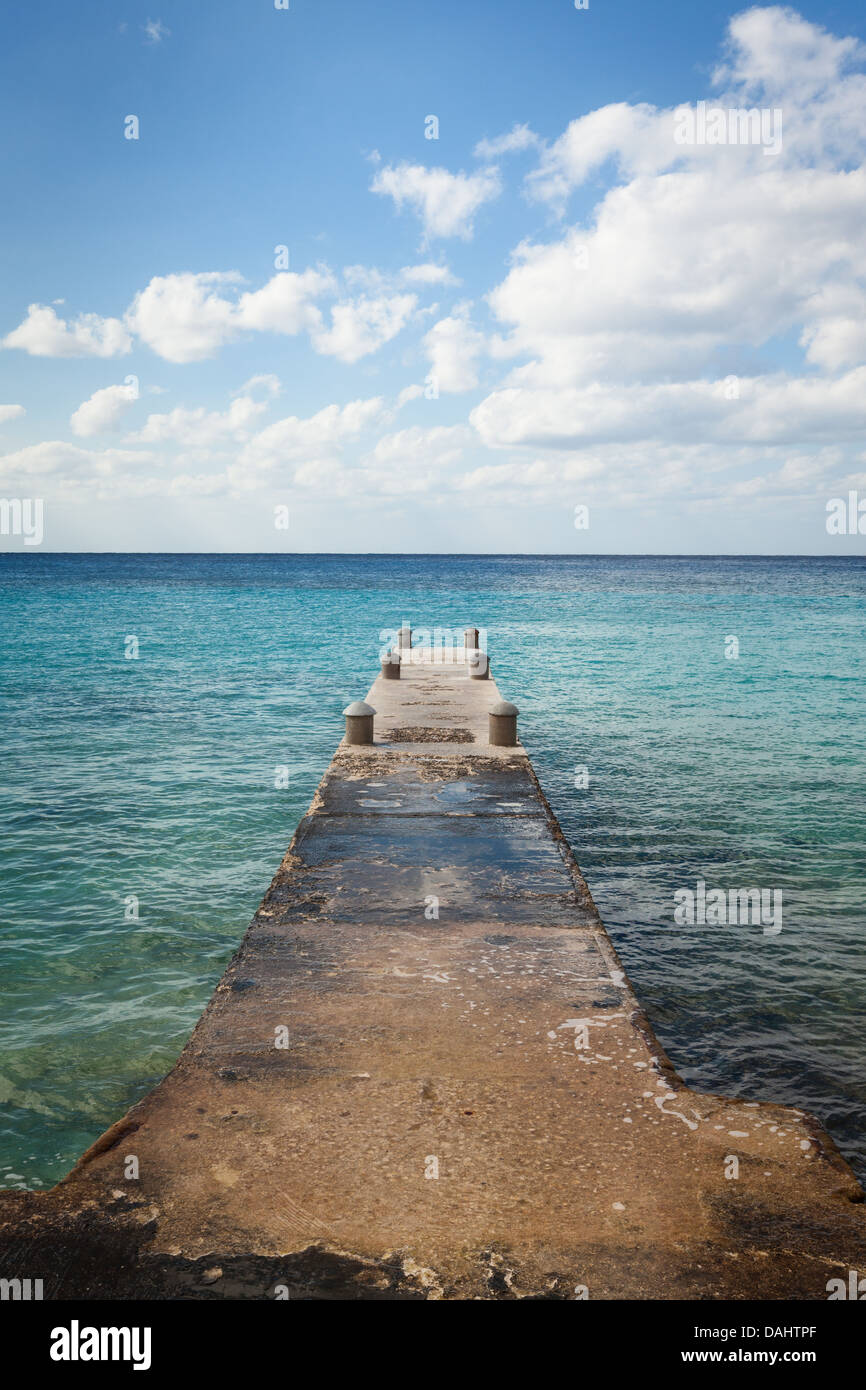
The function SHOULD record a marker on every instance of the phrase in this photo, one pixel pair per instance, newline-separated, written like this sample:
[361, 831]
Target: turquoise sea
[154, 778]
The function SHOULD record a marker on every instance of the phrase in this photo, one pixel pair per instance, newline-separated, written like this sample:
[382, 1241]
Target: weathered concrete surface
[419, 1045]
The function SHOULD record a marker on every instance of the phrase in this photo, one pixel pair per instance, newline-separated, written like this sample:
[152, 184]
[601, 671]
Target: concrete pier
[424, 1075]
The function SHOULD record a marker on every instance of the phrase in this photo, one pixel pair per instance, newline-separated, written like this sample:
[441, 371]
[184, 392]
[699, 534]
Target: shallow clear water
[155, 778]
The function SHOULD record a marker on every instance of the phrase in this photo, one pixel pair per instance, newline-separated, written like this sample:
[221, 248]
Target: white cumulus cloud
[104, 410]
[453, 347]
[200, 428]
[184, 317]
[44, 334]
[286, 303]
[446, 203]
[360, 326]
[306, 440]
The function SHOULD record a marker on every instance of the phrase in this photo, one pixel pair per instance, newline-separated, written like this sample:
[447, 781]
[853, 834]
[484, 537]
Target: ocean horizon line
[449, 554]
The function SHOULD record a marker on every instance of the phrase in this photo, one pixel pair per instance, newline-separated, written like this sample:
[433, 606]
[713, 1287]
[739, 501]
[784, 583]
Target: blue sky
[471, 339]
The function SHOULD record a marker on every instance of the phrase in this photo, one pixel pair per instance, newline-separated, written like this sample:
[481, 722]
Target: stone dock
[424, 1075]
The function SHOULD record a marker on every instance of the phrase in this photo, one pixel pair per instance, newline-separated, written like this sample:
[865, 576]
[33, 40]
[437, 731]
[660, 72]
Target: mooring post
[359, 722]
[470, 639]
[503, 725]
[479, 665]
[391, 665]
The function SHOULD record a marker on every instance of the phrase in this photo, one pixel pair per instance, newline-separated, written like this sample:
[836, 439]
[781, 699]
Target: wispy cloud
[520, 137]
[155, 31]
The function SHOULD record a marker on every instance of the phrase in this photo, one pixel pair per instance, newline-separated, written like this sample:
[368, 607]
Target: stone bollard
[391, 666]
[470, 639]
[503, 725]
[404, 640]
[479, 665]
[359, 722]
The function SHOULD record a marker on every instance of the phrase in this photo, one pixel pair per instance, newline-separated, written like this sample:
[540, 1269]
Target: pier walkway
[425, 1075]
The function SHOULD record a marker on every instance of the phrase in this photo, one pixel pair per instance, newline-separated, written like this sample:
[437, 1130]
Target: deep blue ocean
[153, 778]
